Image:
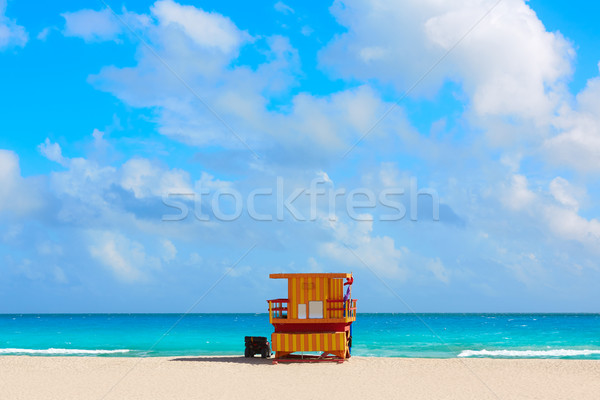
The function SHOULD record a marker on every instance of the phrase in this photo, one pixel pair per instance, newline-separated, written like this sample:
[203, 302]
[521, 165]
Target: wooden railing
[341, 308]
[334, 309]
[278, 308]
[351, 308]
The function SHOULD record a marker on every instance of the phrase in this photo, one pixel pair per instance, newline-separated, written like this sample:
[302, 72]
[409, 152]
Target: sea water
[375, 335]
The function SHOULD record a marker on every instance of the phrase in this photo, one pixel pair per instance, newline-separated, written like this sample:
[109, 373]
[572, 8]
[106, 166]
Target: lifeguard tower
[316, 317]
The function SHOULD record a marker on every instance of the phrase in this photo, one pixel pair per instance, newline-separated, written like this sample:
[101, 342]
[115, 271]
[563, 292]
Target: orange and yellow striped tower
[315, 317]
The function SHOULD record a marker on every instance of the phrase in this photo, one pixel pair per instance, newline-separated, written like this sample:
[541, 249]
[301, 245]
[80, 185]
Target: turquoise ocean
[375, 335]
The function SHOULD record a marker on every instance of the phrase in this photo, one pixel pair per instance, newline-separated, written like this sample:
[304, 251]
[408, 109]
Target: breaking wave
[528, 353]
[52, 351]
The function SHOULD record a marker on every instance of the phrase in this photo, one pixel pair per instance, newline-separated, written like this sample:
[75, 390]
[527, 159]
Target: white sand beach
[24, 377]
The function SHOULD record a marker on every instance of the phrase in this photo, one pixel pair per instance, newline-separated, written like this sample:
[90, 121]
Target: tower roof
[310, 275]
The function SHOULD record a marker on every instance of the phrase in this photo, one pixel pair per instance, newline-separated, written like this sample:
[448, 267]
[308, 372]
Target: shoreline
[72, 377]
[485, 355]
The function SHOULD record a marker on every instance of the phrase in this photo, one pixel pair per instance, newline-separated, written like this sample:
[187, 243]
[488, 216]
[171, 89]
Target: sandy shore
[239, 378]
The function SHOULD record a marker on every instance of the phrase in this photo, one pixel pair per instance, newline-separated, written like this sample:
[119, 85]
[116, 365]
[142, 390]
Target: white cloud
[566, 194]
[355, 245]
[125, 197]
[48, 248]
[28, 269]
[52, 152]
[125, 258]
[86, 179]
[283, 8]
[210, 30]
[11, 34]
[556, 210]
[43, 35]
[313, 265]
[438, 270]
[372, 53]
[307, 30]
[332, 123]
[518, 196]
[146, 179]
[59, 275]
[577, 144]
[169, 250]
[194, 260]
[208, 181]
[98, 135]
[103, 25]
[17, 194]
[391, 177]
[9, 170]
[92, 26]
[202, 60]
[322, 175]
[509, 64]
[238, 95]
[567, 224]
[380, 37]
[236, 272]
[366, 251]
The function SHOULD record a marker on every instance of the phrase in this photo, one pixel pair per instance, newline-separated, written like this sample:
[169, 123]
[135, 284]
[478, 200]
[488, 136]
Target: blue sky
[112, 120]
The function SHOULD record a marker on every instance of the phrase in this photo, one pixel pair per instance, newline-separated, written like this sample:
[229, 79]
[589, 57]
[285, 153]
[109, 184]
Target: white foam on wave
[60, 351]
[529, 353]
